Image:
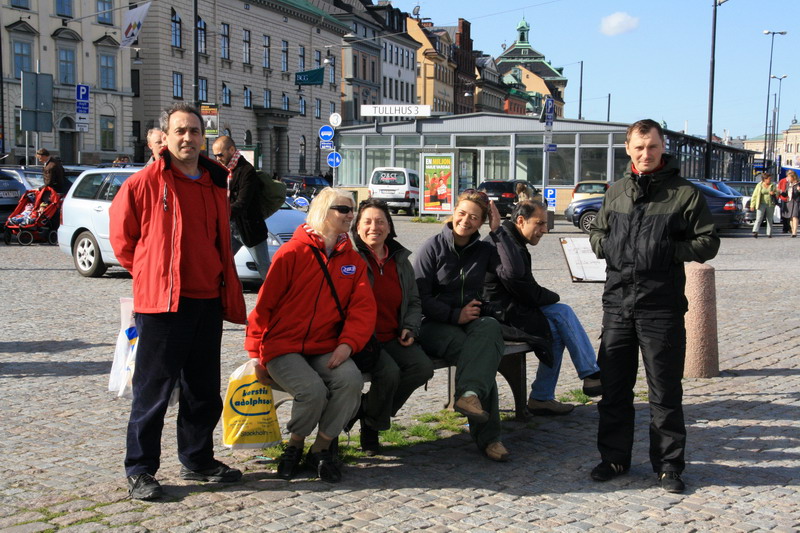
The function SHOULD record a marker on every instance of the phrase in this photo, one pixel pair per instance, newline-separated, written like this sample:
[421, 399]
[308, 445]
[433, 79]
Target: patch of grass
[576, 396]
[423, 432]
[425, 219]
[642, 395]
[444, 420]
[395, 435]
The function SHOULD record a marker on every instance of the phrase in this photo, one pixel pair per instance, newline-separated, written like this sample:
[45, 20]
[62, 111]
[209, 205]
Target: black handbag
[365, 359]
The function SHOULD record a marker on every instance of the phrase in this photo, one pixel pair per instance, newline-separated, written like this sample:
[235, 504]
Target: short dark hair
[377, 204]
[526, 209]
[643, 127]
[184, 107]
[42, 151]
[225, 141]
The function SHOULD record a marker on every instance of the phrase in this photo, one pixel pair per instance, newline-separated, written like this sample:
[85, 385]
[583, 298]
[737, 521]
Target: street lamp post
[769, 82]
[776, 117]
[710, 130]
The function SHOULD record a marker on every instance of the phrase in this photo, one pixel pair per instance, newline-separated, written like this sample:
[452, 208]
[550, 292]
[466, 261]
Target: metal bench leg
[451, 387]
[512, 368]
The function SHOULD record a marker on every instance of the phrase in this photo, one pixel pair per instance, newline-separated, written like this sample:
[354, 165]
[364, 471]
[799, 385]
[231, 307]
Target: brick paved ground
[62, 434]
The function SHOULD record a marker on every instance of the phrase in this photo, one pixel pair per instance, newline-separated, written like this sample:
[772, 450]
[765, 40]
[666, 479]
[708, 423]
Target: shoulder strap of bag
[324, 268]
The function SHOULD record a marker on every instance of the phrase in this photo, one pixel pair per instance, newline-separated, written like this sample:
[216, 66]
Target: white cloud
[617, 23]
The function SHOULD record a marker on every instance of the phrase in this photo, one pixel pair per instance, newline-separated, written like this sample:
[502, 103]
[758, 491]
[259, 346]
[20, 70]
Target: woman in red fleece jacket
[308, 353]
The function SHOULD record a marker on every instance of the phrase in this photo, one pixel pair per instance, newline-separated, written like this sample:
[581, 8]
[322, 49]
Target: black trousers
[181, 347]
[663, 345]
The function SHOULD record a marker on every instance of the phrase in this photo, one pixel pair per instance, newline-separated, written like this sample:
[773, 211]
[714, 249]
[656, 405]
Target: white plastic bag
[121, 378]
[124, 346]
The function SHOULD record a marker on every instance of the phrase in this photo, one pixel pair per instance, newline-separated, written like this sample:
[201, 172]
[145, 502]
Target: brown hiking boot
[497, 452]
[470, 406]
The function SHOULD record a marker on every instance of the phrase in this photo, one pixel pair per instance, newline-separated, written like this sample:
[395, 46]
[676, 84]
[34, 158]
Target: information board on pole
[438, 183]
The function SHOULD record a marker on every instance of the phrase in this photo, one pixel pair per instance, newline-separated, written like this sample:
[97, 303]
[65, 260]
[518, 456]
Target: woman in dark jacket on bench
[402, 366]
[450, 269]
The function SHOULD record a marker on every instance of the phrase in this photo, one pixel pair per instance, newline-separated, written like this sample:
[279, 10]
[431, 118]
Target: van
[398, 187]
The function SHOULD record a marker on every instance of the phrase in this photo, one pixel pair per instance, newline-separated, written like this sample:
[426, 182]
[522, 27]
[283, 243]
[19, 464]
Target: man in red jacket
[169, 228]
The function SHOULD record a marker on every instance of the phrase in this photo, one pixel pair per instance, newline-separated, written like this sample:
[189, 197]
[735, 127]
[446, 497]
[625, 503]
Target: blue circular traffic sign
[326, 133]
[334, 159]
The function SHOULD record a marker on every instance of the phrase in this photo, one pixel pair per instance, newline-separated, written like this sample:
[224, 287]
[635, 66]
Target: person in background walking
[53, 171]
[245, 190]
[790, 204]
[169, 228]
[763, 203]
[155, 141]
[523, 193]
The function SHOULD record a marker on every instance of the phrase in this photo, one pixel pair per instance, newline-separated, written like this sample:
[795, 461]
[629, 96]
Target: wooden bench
[512, 368]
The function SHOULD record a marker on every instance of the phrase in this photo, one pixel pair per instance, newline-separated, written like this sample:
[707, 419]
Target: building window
[248, 97]
[64, 8]
[302, 106]
[201, 36]
[302, 154]
[267, 98]
[66, 66]
[135, 84]
[104, 8]
[107, 133]
[246, 47]
[202, 89]
[24, 4]
[332, 108]
[317, 108]
[265, 60]
[385, 46]
[285, 101]
[175, 24]
[108, 71]
[284, 56]
[23, 58]
[225, 41]
[364, 67]
[384, 86]
[301, 61]
[226, 95]
[355, 65]
[317, 59]
[332, 71]
[372, 71]
[177, 85]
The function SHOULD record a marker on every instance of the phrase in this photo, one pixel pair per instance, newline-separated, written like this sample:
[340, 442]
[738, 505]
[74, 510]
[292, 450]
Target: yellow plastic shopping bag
[248, 416]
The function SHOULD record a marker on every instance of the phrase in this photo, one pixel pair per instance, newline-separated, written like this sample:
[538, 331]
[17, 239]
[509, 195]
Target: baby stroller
[35, 218]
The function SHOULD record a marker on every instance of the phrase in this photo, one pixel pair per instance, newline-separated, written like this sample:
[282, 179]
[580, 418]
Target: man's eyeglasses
[343, 209]
[482, 194]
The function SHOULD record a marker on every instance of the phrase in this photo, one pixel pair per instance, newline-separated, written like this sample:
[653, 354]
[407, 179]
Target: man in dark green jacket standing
[651, 222]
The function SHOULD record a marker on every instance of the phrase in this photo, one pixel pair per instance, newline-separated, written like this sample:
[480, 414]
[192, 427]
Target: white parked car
[83, 233]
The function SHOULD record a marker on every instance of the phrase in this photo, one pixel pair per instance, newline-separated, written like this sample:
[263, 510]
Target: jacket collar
[447, 234]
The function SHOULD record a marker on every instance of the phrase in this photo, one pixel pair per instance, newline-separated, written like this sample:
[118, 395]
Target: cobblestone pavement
[62, 434]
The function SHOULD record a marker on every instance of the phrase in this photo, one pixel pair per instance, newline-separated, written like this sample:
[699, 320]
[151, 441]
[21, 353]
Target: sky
[652, 56]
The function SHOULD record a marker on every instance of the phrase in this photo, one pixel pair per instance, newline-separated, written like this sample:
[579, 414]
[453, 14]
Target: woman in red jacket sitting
[300, 339]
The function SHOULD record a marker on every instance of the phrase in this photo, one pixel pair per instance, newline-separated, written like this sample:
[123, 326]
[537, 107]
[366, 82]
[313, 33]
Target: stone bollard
[702, 346]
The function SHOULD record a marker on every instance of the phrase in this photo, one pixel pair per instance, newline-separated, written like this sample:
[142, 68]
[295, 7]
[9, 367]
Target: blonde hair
[322, 202]
[791, 173]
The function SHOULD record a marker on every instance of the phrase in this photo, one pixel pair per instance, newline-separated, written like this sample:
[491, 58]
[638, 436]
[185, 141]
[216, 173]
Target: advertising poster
[210, 119]
[437, 170]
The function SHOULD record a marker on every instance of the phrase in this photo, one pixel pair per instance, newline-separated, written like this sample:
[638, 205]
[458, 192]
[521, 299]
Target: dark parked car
[307, 186]
[11, 190]
[726, 209]
[503, 193]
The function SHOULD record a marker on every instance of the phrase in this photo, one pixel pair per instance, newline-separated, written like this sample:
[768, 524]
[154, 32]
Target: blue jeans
[567, 332]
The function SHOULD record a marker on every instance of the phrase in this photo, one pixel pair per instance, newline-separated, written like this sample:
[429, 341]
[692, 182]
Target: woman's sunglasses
[343, 209]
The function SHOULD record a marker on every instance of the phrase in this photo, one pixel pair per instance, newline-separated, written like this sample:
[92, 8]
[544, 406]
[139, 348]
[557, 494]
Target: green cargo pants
[475, 349]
